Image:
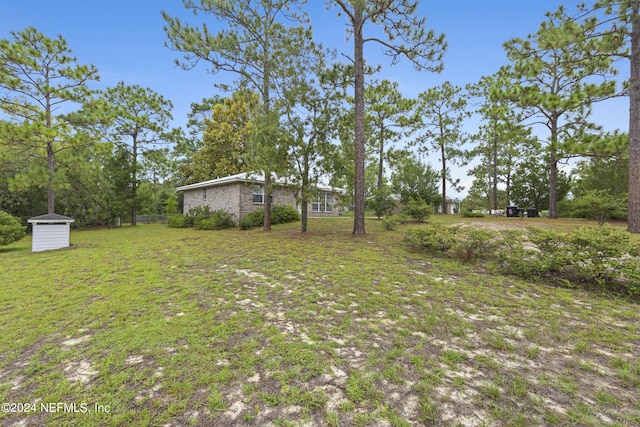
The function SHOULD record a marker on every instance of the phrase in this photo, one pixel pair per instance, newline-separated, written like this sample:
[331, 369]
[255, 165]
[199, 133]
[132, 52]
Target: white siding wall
[50, 236]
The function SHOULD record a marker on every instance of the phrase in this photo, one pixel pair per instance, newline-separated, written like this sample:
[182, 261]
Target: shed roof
[52, 217]
[251, 177]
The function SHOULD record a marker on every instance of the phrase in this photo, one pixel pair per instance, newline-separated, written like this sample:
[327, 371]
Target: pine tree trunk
[553, 182]
[444, 173]
[553, 171]
[50, 159]
[51, 174]
[267, 202]
[381, 160]
[305, 215]
[495, 173]
[134, 184]
[359, 184]
[633, 214]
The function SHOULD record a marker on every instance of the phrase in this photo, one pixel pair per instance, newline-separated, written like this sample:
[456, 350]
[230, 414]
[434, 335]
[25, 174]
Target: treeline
[296, 111]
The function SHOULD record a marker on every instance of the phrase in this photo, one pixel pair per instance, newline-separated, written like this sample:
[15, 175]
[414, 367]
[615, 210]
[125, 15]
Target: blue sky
[125, 39]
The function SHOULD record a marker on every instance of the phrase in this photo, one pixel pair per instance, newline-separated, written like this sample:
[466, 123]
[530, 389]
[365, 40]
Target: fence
[152, 219]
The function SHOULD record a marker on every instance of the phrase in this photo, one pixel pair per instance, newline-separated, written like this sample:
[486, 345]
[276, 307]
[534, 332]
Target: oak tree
[225, 137]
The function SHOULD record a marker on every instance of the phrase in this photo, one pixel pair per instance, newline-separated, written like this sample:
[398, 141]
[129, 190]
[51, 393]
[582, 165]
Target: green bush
[589, 256]
[417, 209]
[473, 242]
[466, 243]
[392, 222]
[196, 214]
[472, 214]
[280, 214]
[218, 220]
[10, 229]
[255, 217]
[203, 218]
[246, 224]
[284, 214]
[600, 206]
[432, 237]
[382, 203]
[177, 221]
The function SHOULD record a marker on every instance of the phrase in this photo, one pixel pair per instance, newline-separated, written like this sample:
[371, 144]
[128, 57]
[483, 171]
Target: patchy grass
[160, 326]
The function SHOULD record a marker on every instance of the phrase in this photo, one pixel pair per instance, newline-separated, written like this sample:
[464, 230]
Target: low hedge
[203, 218]
[280, 214]
[600, 256]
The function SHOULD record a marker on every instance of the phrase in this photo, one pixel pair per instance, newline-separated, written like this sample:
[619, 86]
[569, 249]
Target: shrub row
[203, 218]
[280, 214]
[601, 256]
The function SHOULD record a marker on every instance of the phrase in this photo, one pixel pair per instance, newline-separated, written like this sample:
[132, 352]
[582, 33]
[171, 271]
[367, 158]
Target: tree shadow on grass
[4, 249]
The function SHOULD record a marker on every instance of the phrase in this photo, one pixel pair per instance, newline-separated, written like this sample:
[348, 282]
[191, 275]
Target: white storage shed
[50, 231]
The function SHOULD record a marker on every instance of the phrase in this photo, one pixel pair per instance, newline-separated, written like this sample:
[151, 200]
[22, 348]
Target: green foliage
[137, 119]
[443, 111]
[196, 214]
[246, 223]
[224, 151]
[589, 256]
[283, 214]
[280, 214]
[382, 203]
[171, 205]
[530, 184]
[472, 214]
[598, 173]
[553, 80]
[10, 229]
[218, 220]
[177, 221]
[500, 143]
[263, 45]
[600, 205]
[412, 179]
[433, 237]
[392, 222]
[387, 111]
[254, 218]
[203, 218]
[466, 243]
[408, 37]
[475, 243]
[39, 78]
[417, 209]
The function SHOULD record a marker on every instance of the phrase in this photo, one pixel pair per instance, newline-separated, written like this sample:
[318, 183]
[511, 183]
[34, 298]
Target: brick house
[244, 192]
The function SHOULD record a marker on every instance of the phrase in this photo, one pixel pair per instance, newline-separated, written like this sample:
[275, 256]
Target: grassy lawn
[158, 326]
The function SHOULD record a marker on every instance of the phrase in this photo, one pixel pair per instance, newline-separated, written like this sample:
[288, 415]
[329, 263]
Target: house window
[258, 195]
[322, 203]
[204, 194]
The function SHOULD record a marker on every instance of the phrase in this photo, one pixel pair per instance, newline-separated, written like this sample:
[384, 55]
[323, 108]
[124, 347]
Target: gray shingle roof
[52, 217]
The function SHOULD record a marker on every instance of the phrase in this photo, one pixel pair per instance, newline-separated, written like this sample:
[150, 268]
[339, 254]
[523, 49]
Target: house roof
[52, 217]
[250, 177]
